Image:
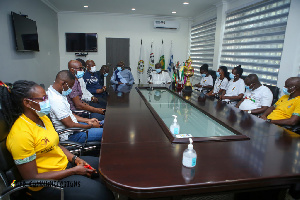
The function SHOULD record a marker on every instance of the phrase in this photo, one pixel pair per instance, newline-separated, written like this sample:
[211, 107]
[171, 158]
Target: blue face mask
[119, 94]
[248, 88]
[231, 76]
[44, 106]
[203, 75]
[285, 91]
[218, 74]
[79, 74]
[119, 68]
[66, 93]
[158, 70]
[105, 75]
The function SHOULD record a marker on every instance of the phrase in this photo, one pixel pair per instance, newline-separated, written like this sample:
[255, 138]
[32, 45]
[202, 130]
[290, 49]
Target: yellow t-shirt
[285, 108]
[28, 141]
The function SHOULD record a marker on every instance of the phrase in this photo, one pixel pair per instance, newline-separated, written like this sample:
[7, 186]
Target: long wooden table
[139, 161]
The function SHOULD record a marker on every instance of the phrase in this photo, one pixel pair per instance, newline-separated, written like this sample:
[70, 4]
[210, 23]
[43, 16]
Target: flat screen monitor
[81, 42]
[25, 32]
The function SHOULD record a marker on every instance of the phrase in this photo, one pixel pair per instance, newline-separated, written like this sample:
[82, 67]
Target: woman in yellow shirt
[34, 145]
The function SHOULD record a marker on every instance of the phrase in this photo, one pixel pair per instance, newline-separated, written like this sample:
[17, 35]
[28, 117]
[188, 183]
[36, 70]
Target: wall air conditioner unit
[166, 24]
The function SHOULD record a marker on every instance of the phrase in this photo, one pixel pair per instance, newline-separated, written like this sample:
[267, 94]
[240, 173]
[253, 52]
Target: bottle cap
[190, 146]
[175, 118]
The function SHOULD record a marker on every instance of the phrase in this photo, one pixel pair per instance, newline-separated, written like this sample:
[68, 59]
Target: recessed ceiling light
[186, 3]
[174, 12]
[86, 6]
[132, 8]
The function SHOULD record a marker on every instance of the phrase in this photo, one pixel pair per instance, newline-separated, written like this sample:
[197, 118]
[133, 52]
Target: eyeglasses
[44, 98]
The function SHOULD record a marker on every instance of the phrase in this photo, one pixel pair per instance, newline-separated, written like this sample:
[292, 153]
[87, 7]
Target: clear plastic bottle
[189, 156]
[175, 128]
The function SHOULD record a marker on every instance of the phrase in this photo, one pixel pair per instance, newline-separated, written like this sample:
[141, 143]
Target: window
[202, 44]
[254, 38]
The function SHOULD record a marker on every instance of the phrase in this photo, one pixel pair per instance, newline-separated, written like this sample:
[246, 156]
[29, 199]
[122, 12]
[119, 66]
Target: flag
[151, 63]
[162, 56]
[171, 62]
[140, 67]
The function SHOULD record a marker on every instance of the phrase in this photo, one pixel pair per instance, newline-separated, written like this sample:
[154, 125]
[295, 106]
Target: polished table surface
[138, 160]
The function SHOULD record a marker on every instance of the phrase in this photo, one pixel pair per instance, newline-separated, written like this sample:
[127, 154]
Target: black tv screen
[81, 42]
[25, 32]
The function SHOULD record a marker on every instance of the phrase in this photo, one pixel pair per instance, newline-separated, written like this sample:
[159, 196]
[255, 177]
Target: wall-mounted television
[81, 42]
[25, 32]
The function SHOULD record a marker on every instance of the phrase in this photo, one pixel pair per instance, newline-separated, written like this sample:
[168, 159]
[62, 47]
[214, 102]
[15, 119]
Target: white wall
[135, 27]
[40, 67]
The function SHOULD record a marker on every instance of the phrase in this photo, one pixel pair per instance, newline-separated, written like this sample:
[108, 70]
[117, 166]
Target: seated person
[34, 146]
[206, 81]
[86, 95]
[159, 76]
[103, 72]
[286, 111]
[74, 98]
[236, 87]
[122, 75]
[61, 114]
[257, 98]
[221, 82]
[91, 78]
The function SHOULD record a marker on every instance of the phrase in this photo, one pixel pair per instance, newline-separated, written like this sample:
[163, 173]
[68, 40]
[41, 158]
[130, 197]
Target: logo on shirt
[45, 141]
[92, 80]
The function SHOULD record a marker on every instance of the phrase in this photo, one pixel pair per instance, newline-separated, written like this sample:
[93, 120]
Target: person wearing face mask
[61, 114]
[86, 95]
[34, 145]
[159, 76]
[236, 87]
[286, 111]
[257, 98]
[103, 72]
[122, 75]
[206, 82]
[75, 97]
[91, 78]
[221, 82]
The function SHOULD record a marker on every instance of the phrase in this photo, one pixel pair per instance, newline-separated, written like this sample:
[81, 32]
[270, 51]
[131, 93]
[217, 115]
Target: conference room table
[139, 158]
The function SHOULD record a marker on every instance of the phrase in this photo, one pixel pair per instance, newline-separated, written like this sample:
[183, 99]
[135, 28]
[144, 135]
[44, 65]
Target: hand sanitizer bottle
[189, 156]
[174, 128]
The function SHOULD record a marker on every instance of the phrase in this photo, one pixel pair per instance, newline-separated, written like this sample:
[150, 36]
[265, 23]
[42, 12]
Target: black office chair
[9, 172]
[275, 91]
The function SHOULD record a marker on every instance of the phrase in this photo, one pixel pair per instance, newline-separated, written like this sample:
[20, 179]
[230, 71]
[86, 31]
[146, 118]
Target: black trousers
[77, 187]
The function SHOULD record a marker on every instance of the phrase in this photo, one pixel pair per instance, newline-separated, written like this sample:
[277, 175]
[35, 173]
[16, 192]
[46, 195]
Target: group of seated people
[33, 141]
[251, 96]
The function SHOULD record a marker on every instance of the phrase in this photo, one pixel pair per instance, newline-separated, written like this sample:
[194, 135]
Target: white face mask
[93, 69]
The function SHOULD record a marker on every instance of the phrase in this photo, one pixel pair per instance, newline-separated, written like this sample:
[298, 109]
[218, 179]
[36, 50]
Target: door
[117, 49]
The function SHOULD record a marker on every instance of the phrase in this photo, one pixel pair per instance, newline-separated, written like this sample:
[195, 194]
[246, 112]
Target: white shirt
[234, 89]
[86, 95]
[162, 78]
[60, 109]
[220, 84]
[206, 81]
[257, 98]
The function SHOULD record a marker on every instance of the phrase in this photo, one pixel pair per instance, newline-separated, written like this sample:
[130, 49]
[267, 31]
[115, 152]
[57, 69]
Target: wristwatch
[249, 111]
[268, 120]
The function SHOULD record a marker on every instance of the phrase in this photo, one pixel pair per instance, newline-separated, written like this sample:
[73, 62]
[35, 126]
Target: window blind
[202, 44]
[254, 38]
